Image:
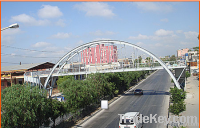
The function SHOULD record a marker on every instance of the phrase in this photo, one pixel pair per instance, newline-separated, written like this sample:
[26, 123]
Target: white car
[127, 120]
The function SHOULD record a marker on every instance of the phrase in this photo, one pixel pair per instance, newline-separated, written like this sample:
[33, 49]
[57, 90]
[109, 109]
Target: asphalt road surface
[153, 101]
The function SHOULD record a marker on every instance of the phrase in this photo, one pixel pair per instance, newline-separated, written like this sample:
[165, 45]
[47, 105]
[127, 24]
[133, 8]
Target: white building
[192, 59]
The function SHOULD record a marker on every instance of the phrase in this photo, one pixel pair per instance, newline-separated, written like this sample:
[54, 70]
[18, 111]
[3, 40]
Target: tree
[148, 59]
[56, 109]
[140, 59]
[62, 78]
[117, 80]
[196, 48]
[177, 94]
[187, 74]
[101, 81]
[177, 107]
[23, 106]
[177, 97]
[80, 94]
[172, 58]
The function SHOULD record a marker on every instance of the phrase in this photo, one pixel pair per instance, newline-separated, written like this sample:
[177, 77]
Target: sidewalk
[192, 99]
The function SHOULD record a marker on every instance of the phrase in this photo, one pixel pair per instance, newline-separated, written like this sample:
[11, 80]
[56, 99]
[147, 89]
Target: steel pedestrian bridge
[100, 56]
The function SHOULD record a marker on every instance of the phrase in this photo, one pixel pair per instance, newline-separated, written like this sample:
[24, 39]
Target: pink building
[182, 52]
[99, 54]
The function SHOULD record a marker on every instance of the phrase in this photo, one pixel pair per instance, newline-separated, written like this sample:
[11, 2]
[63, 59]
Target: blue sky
[57, 27]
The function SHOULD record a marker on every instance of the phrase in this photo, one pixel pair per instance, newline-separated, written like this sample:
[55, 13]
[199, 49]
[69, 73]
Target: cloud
[61, 23]
[11, 32]
[67, 48]
[154, 45]
[80, 42]
[28, 20]
[139, 43]
[179, 31]
[169, 46]
[188, 44]
[51, 48]
[158, 44]
[95, 9]
[12, 54]
[184, 43]
[139, 37]
[162, 32]
[109, 33]
[49, 11]
[191, 35]
[8, 37]
[164, 20]
[97, 33]
[100, 33]
[41, 44]
[8, 40]
[60, 35]
[154, 7]
[164, 38]
[59, 51]
[97, 39]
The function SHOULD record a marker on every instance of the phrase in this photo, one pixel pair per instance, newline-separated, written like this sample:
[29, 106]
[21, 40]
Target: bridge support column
[180, 76]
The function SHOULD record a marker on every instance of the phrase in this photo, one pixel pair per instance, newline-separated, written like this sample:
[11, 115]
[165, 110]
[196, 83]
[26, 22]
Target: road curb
[168, 113]
[109, 104]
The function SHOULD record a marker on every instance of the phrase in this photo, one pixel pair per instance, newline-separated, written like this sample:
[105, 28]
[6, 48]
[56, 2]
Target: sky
[48, 30]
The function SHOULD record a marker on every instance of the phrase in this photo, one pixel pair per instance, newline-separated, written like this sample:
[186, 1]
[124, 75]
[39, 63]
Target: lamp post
[11, 26]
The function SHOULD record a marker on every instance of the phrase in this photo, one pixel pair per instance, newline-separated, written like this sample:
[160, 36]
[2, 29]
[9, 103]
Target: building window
[2, 84]
[9, 84]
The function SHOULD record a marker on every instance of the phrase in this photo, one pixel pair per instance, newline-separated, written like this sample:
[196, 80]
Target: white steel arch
[80, 48]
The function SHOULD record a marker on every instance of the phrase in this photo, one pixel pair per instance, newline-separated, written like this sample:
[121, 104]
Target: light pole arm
[4, 28]
[11, 26]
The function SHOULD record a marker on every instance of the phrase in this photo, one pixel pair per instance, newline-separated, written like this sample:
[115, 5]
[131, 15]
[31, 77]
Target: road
[153, 101]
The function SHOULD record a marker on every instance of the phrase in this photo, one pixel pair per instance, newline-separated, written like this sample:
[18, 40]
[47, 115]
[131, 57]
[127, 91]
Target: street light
[11, 26]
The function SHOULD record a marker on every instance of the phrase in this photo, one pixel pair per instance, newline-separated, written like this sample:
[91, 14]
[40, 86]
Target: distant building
[15, 74]
[192, 58]
[182, 52]
[99, 54]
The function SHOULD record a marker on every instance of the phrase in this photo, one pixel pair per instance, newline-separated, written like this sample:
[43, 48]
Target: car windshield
[138, 90]
[127, 122]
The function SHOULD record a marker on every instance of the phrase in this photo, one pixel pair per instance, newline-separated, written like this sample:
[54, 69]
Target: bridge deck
[115, 70]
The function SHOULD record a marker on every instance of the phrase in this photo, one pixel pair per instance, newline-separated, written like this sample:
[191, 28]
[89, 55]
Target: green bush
[187, 74]
[82, 93]
[116, 92]
[177, 94]
[177, 97]
[27, 107]
[177, 107]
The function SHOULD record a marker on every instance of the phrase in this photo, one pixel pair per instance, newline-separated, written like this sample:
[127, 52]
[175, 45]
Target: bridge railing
[102, 67]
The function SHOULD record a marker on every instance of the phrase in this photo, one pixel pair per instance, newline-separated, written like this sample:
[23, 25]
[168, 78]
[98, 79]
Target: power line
[14, 63]
[29, 49]
[26, 56]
